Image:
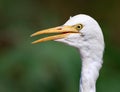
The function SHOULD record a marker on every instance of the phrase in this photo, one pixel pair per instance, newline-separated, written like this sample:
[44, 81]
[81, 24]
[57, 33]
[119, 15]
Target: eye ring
[79, 26]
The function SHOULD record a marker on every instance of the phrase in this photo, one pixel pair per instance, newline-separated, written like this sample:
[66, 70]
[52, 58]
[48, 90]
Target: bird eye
[79, 26]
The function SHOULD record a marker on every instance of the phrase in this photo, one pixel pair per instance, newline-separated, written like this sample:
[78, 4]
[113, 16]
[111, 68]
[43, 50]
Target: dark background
[53, 66]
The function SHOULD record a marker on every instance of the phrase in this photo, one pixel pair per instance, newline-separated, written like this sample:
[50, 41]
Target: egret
[84, 33]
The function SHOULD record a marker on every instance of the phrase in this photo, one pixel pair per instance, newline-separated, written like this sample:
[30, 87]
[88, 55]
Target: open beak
[61, 31]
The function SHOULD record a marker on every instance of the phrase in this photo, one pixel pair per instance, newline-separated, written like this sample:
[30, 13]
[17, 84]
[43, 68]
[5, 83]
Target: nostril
[59, 28]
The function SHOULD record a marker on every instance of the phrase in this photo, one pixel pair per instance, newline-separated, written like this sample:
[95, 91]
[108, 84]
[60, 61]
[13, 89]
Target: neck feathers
[89, 74]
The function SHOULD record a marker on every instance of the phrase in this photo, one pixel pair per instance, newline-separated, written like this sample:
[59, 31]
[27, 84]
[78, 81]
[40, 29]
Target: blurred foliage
[52, 66]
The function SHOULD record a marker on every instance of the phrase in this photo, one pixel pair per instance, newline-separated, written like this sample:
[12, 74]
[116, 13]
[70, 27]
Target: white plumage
[88, 39]
[90, 43]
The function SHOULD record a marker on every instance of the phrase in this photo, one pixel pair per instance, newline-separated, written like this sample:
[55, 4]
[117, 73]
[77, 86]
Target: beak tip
[32, 43]
[31, 35]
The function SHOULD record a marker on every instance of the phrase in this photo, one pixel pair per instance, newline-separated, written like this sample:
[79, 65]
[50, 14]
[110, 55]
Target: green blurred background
[53, 66]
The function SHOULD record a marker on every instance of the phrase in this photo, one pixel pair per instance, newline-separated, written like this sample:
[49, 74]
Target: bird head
[79, 31]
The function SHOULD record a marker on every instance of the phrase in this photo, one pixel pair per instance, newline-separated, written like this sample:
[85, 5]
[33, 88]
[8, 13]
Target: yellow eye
[79, 26]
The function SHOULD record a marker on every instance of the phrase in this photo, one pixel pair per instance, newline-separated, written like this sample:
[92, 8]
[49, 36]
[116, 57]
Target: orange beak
[62, 31]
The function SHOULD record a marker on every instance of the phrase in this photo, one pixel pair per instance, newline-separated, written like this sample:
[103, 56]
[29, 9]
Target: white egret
[84, 33]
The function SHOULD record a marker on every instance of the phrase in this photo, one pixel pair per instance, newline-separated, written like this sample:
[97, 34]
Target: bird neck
[89, 73]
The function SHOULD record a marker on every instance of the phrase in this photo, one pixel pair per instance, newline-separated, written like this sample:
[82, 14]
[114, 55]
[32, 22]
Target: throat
[89, 74]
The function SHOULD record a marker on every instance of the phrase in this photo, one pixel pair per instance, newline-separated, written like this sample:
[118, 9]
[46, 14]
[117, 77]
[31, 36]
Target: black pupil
[78, 26]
